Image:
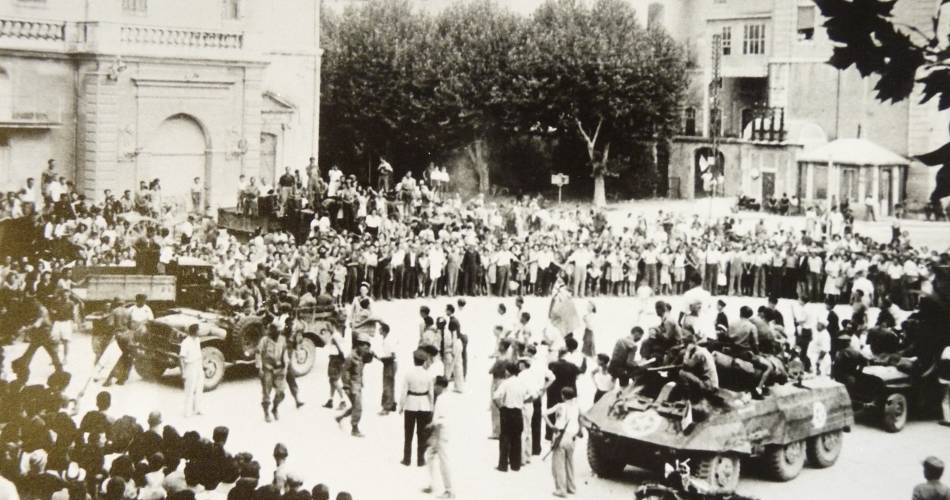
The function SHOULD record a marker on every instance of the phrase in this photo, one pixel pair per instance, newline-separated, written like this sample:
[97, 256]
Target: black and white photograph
[474, 249]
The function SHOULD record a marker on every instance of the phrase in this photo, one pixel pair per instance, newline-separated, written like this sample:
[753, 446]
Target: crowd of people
[418, 239]
[50, 451]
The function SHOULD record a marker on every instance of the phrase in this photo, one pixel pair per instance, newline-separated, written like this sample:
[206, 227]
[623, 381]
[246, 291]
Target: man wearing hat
[352, 382]
[272, 360]
[933, 489]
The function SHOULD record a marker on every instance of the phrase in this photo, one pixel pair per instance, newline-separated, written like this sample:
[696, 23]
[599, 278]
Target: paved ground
[874, 464]
[930, 234]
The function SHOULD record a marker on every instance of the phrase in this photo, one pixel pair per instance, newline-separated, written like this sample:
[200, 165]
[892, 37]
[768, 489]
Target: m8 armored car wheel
[785, 462]
[721, 472]
[148, 369]
[601, 463]
[823, 449]
[303, 357]
[895, 412]
[214, 365]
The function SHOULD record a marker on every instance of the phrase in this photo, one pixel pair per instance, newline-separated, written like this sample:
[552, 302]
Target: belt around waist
[413, 393]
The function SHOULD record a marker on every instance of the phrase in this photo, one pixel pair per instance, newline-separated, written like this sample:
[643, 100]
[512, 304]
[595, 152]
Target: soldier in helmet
[352, 382]
[272, 360]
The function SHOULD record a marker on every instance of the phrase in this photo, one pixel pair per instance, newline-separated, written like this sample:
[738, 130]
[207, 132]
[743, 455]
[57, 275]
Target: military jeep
[224, 340]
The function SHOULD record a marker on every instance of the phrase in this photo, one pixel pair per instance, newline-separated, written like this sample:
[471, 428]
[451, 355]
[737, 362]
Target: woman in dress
[833, 278]
[587, 345]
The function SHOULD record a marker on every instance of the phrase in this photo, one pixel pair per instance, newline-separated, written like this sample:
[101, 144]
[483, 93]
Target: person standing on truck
[192, 371]
[271, 364]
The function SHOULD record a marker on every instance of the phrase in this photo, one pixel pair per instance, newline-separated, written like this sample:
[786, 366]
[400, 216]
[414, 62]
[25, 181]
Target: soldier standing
[38, 334]
[352, 382]
[294, 338]
[272, 363]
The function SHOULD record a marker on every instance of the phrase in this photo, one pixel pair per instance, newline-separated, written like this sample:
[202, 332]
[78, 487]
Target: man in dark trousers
[416, 404]
[565, 375]
[510, 398]
[272, 360]
[352, 382]
[410, 280]
[470, 264]
[387, 357]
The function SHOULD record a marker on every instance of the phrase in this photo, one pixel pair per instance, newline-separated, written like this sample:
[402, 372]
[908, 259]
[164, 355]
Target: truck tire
[601, 463]
[148, 369]
[721, 472]
[244, 337]
[785, 462]
[303, 357]
[823, 449]
[212, 360]
[894, 412]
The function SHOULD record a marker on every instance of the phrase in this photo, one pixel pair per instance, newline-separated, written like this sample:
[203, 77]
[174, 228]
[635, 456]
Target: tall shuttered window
[753, 40]
[135, 6]
[232, 9]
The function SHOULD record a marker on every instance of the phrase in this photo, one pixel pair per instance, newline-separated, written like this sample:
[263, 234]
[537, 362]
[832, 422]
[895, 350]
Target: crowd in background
[417, 241]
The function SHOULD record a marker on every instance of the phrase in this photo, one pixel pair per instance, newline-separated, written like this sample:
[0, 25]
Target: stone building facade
[773, 62]
[120, 91]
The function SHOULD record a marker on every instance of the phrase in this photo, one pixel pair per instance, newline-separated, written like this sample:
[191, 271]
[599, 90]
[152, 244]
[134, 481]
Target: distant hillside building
[119, 91]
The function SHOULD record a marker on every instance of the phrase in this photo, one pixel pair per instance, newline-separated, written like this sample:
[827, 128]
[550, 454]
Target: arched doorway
[177, 153]
[708, 174]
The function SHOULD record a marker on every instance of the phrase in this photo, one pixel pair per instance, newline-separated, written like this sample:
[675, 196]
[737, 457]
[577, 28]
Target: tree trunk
[600, 192]
[476, 155]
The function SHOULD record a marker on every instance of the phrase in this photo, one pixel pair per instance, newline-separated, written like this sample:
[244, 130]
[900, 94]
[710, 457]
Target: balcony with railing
[33, 34]
[143, 39]
[30, 111]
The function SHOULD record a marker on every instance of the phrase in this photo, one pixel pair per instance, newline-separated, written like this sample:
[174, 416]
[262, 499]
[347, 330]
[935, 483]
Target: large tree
[903, 57]
[474, 43]
[593, 73]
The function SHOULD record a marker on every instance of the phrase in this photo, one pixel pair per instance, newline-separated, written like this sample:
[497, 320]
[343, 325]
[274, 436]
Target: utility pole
[714, 86]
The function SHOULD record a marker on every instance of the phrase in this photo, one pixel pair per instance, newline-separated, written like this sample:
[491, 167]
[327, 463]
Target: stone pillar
[98, 132]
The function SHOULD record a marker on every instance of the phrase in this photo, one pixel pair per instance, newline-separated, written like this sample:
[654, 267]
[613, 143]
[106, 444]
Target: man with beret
[933, 489]
[272, 359]
[352, 382]
[415, 403]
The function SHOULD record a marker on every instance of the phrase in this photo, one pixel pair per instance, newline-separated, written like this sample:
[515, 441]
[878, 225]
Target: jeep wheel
[244, 337]
[214, 365]
[895, 412]
[823, 449]
[721, 472]
[303, 358]
[601, 463]
[785, 462]
[149, 370]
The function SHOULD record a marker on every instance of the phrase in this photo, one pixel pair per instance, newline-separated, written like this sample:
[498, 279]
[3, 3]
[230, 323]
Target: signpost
[560, 180]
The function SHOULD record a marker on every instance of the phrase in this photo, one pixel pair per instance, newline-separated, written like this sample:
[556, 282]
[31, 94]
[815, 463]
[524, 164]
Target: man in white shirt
[192, 370]
[440, 437]
[510, 398]
[140, 313]
[415, 403]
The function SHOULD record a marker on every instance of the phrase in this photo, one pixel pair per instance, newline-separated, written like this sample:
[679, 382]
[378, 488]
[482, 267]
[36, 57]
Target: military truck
[654, 421]
[225, 339]
[185, 282]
